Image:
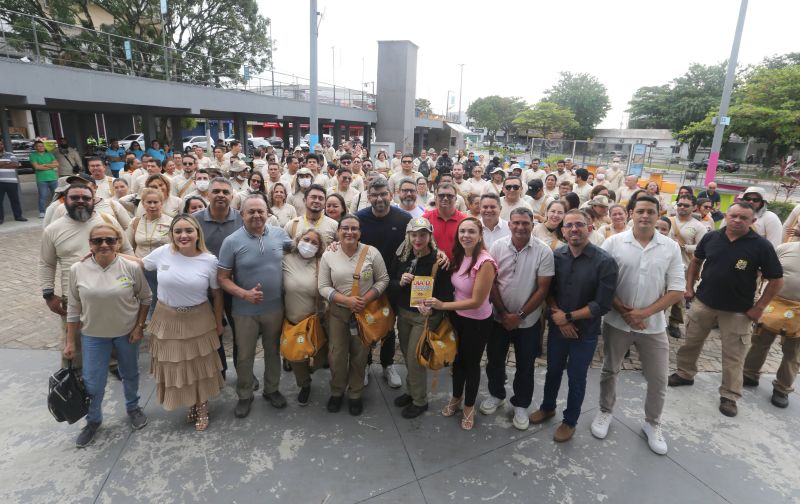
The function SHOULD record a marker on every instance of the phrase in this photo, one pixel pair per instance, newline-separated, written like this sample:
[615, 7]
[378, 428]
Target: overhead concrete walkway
[307, 455]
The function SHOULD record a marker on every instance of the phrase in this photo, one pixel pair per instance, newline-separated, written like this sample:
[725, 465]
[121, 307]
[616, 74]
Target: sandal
[469, 419]
[452, 406]
[201, 423]
[191, 417]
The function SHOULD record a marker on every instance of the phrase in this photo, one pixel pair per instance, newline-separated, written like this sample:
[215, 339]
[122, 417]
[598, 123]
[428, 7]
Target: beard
[409, 201]
[80, 213]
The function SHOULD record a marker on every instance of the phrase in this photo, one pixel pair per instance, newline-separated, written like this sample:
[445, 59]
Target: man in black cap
[538, 199]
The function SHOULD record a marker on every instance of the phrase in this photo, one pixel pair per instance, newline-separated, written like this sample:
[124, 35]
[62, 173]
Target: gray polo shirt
[215, 232]
[256, 260]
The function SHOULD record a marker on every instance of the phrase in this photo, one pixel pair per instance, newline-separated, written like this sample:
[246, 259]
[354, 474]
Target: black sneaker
[256, 384]
[276, 399]
[674, 331]
[302, 397]
[20, 219]
[676, 380]
[138, 418]
[356, 406]
[402, 401]
[779, 400]
[114, 371]
[335, 404]
[728, 407]
[413, 411]
[242, 408]
[749, 382]
[86, 436]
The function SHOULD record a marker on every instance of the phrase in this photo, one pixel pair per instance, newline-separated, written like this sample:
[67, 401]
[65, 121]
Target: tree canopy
[423, 105]
[495, 113]
[586, 96]
[545, 118]
[233, 33]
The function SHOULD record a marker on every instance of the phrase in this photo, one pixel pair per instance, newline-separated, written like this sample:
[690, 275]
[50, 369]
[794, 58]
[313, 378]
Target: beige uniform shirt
[506, 207]
[145, 235]
[301, 296]
[326, 226]
[691, 232]
[106, 300]
[65, 242]
[350, 196]
[336, 271]
[789, 256]
[283, 214]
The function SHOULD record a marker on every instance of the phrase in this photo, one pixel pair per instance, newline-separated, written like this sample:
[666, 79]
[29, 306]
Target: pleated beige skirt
[184, 358]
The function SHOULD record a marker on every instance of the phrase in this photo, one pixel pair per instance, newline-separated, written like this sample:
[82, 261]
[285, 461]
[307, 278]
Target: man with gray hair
[408, 197]
[250, 262]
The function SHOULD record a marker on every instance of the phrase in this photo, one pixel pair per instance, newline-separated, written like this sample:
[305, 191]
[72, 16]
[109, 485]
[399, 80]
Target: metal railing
[44, 41]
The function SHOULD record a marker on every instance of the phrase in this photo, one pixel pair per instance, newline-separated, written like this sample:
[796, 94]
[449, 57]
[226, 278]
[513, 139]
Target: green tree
[767, 108]
[782, 60]
[545, 118]
[586, 96]
[234, 34]
[495, 113]
[423, 105]
[697, 133]
[650, 107]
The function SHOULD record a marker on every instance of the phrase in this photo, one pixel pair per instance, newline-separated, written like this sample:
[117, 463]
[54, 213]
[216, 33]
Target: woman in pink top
[473, 275]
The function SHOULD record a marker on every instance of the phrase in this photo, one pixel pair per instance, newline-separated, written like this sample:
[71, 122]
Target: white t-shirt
[182, 280]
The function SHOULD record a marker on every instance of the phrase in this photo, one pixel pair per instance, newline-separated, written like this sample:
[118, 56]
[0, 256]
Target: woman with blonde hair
[301, 298]
[279, 207]
[185, 329]
[108, 301]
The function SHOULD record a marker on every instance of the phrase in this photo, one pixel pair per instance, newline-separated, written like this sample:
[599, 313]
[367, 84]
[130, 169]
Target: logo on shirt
[741, 264]
[125, 281]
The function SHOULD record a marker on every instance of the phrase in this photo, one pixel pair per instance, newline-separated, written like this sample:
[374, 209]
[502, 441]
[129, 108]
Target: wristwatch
[48, 295]
[568, 315]
[521, 314]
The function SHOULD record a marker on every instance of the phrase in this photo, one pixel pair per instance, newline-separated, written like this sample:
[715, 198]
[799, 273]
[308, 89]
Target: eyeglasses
[446, 196]
[512, 187]
[346, 163]
[405, 161]
[109, 240]
[575, 225]
[188, 164]
[752, 200]
[706, 207]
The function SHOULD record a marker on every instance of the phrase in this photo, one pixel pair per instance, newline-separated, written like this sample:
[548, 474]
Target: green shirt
[44, 158]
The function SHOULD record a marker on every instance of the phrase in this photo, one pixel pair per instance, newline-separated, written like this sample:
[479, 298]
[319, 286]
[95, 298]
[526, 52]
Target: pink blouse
[463, 285]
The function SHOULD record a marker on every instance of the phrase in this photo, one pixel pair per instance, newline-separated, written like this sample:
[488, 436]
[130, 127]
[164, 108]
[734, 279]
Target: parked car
[276, 141]
[196, 141]
[126, 142]
[307, 138]
[727, 166]
[614, 154]
[21, 147]
[230, 139]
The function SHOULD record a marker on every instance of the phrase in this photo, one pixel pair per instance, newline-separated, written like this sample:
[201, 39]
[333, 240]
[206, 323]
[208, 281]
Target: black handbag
[67, 399]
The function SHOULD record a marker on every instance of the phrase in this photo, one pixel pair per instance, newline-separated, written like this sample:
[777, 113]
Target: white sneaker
[490, 405]
[366, 376]
[391, 377]
[521, 420]
[655, 438]
[600, 424]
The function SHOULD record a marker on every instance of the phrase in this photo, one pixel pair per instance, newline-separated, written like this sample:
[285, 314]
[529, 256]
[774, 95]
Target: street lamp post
[313, 119]
[460, 88]
[722, 119]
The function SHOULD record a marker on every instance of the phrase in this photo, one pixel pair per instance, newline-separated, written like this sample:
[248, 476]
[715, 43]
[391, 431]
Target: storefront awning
[458, 128]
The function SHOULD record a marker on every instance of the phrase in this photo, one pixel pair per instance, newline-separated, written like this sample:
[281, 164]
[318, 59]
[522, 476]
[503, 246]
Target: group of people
[263, 247]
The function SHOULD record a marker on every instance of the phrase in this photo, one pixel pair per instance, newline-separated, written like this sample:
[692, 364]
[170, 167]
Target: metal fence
[44, 41]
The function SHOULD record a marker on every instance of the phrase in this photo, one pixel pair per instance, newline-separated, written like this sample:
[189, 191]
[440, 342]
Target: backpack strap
[677, 232]
[357, 273]
[135, 226]
[186, 186]
[294, 230]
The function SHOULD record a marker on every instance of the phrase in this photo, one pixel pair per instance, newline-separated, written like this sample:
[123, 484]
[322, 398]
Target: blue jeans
[152, 282]
[96, 356]
[46, 191]
[574, 355]
[526, 349]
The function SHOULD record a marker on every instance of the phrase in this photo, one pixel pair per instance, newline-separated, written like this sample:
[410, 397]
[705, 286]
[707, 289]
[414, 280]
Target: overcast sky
[517, 48]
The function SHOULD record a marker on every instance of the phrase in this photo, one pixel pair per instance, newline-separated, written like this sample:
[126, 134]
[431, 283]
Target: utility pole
[460, 88]
[272, 57]
[333, 70]
[164, 37]
[722, 119]
[313, 115]
[447, 106]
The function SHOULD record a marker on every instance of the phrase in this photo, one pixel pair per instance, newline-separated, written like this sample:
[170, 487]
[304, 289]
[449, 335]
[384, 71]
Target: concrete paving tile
[407, 494]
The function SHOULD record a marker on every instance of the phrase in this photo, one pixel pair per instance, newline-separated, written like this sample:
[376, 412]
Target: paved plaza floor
[307, 455]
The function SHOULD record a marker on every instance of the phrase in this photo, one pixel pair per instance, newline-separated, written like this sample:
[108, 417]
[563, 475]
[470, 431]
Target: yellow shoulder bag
[300, 342]
[377, 318]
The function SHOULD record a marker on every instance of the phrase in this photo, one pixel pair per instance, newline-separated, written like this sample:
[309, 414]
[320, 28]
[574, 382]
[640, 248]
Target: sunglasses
[512, 187]
[188, 164]
[752, 200]
[446, 196]
[108, 240]
[81, 198]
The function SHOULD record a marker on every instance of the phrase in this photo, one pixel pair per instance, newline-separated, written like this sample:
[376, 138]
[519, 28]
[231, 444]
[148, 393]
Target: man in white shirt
[183, 183]
[494, 226]
[517, 300]
[512, 188]
[408, 198]
[462, 185]
[203, 162]
[562, 173]
[582, 187]
[396, 161]
[626, 191]
[104, 184]
[219, 162]
[650, 280]
[292, 165]
[534, 172]
[614, 175]
[406, 171]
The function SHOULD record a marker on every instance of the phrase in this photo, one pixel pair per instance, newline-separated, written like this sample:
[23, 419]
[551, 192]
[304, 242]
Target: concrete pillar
[396, 90]
[240, 128]
[337, 134]
[4, 125]
[367, 135]
[148, 128]
[296, 131]
[177, 137]
[286, 133]
[214, 129]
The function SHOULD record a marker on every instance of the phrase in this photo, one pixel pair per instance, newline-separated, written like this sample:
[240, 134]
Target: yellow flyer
[421, 289]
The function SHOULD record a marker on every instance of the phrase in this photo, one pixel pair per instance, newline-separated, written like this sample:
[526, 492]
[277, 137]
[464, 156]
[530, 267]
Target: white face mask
[304, 182]
[307, 250]
[202, 185]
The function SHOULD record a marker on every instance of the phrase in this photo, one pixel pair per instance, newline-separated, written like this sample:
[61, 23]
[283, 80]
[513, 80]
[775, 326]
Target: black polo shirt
[730, 271]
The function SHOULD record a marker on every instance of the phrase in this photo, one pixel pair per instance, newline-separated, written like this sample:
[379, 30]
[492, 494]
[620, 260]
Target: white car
[195, 141]
[126, 142]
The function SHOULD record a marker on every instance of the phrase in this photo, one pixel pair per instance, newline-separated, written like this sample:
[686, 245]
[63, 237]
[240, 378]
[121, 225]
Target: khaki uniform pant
[248, 328]
[409, 329]
[347, 356]
[653, 352]
[734, 332]
[302, 370]
[787, 371]
[677, 313]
